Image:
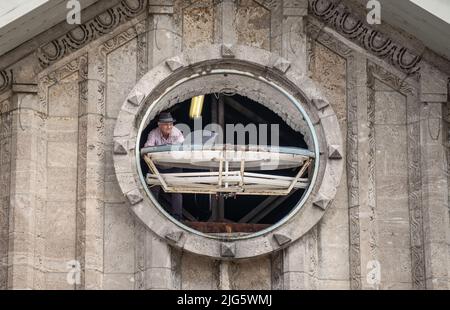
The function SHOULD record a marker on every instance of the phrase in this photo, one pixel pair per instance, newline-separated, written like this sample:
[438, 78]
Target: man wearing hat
[165, 134]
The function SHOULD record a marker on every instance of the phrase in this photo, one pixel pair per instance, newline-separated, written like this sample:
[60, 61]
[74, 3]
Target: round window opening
[227, 155]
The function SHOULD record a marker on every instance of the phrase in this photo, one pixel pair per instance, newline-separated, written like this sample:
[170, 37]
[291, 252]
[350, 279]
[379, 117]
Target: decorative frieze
[89, 31]
[6, 79]
[339, 17]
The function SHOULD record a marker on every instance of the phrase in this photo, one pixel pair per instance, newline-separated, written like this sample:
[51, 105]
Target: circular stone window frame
[266, 66]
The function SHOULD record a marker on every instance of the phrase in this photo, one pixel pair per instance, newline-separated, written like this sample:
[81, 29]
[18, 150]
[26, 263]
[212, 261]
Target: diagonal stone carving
[174, 236]
[119, 149]
[137, 98]
[281, 239]
[334, 152]
[134, 197]
[321, 202]
[320, 103]
[227, 51]
[282, 64]
[174, 63]
[228, 250]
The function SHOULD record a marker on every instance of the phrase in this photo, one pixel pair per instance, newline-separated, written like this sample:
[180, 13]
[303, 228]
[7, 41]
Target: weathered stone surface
[63, 156]
[119, 149]
[321, 202]
[433, 85]
[334, 152]
[119, 240]
[118, 281]
[136, 98]
[228, 249]
[174, 236]
[134, 197]
[281, 239]
[174, 63]
[199, 273]
[320, 104]
[121, 76]
[253, 273]
[253, 24]
[198, 24]
[282, 64]
[226, 51]
[63, 97]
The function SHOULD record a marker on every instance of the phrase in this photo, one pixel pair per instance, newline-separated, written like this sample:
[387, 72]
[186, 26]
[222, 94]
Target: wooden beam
[221, 122]
[213, 198]
[188, 215]
[299, 175]
[255, 117]
[270, 208]
[258, 209]
[155, 171]
[244, 110]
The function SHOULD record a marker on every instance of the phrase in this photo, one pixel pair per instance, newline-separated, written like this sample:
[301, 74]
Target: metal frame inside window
[227, 169]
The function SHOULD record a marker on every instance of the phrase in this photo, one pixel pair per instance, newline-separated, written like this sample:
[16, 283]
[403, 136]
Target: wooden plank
[155, 171]
[242, 171]
[272, 176]
[220, 171]
[300, 173]
[231, 180]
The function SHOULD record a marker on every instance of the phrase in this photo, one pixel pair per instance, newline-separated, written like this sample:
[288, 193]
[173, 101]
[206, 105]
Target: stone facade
[70, 202]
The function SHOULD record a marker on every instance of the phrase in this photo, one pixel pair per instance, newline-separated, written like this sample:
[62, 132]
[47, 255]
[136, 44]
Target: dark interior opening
[201, 214]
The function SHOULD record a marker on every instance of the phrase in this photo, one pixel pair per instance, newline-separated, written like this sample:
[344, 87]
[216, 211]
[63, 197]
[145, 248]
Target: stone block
[433, 84]
[198, 273]
[321, 202]
[281, 239]
[119, 240]
[253, 274]
[226, 51]
[331, 263]
[281, 64]
[395, 264]
[390, 108]
[113, 193]
[134, 197]
[228, 249]
[61, 184]
[62, 154]
[253, 25]
[57, 281]
[158, 252]
[158, 278]
[63, 98]
[121, 76]
[60, 234]
[198, 24]
[118, 281]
